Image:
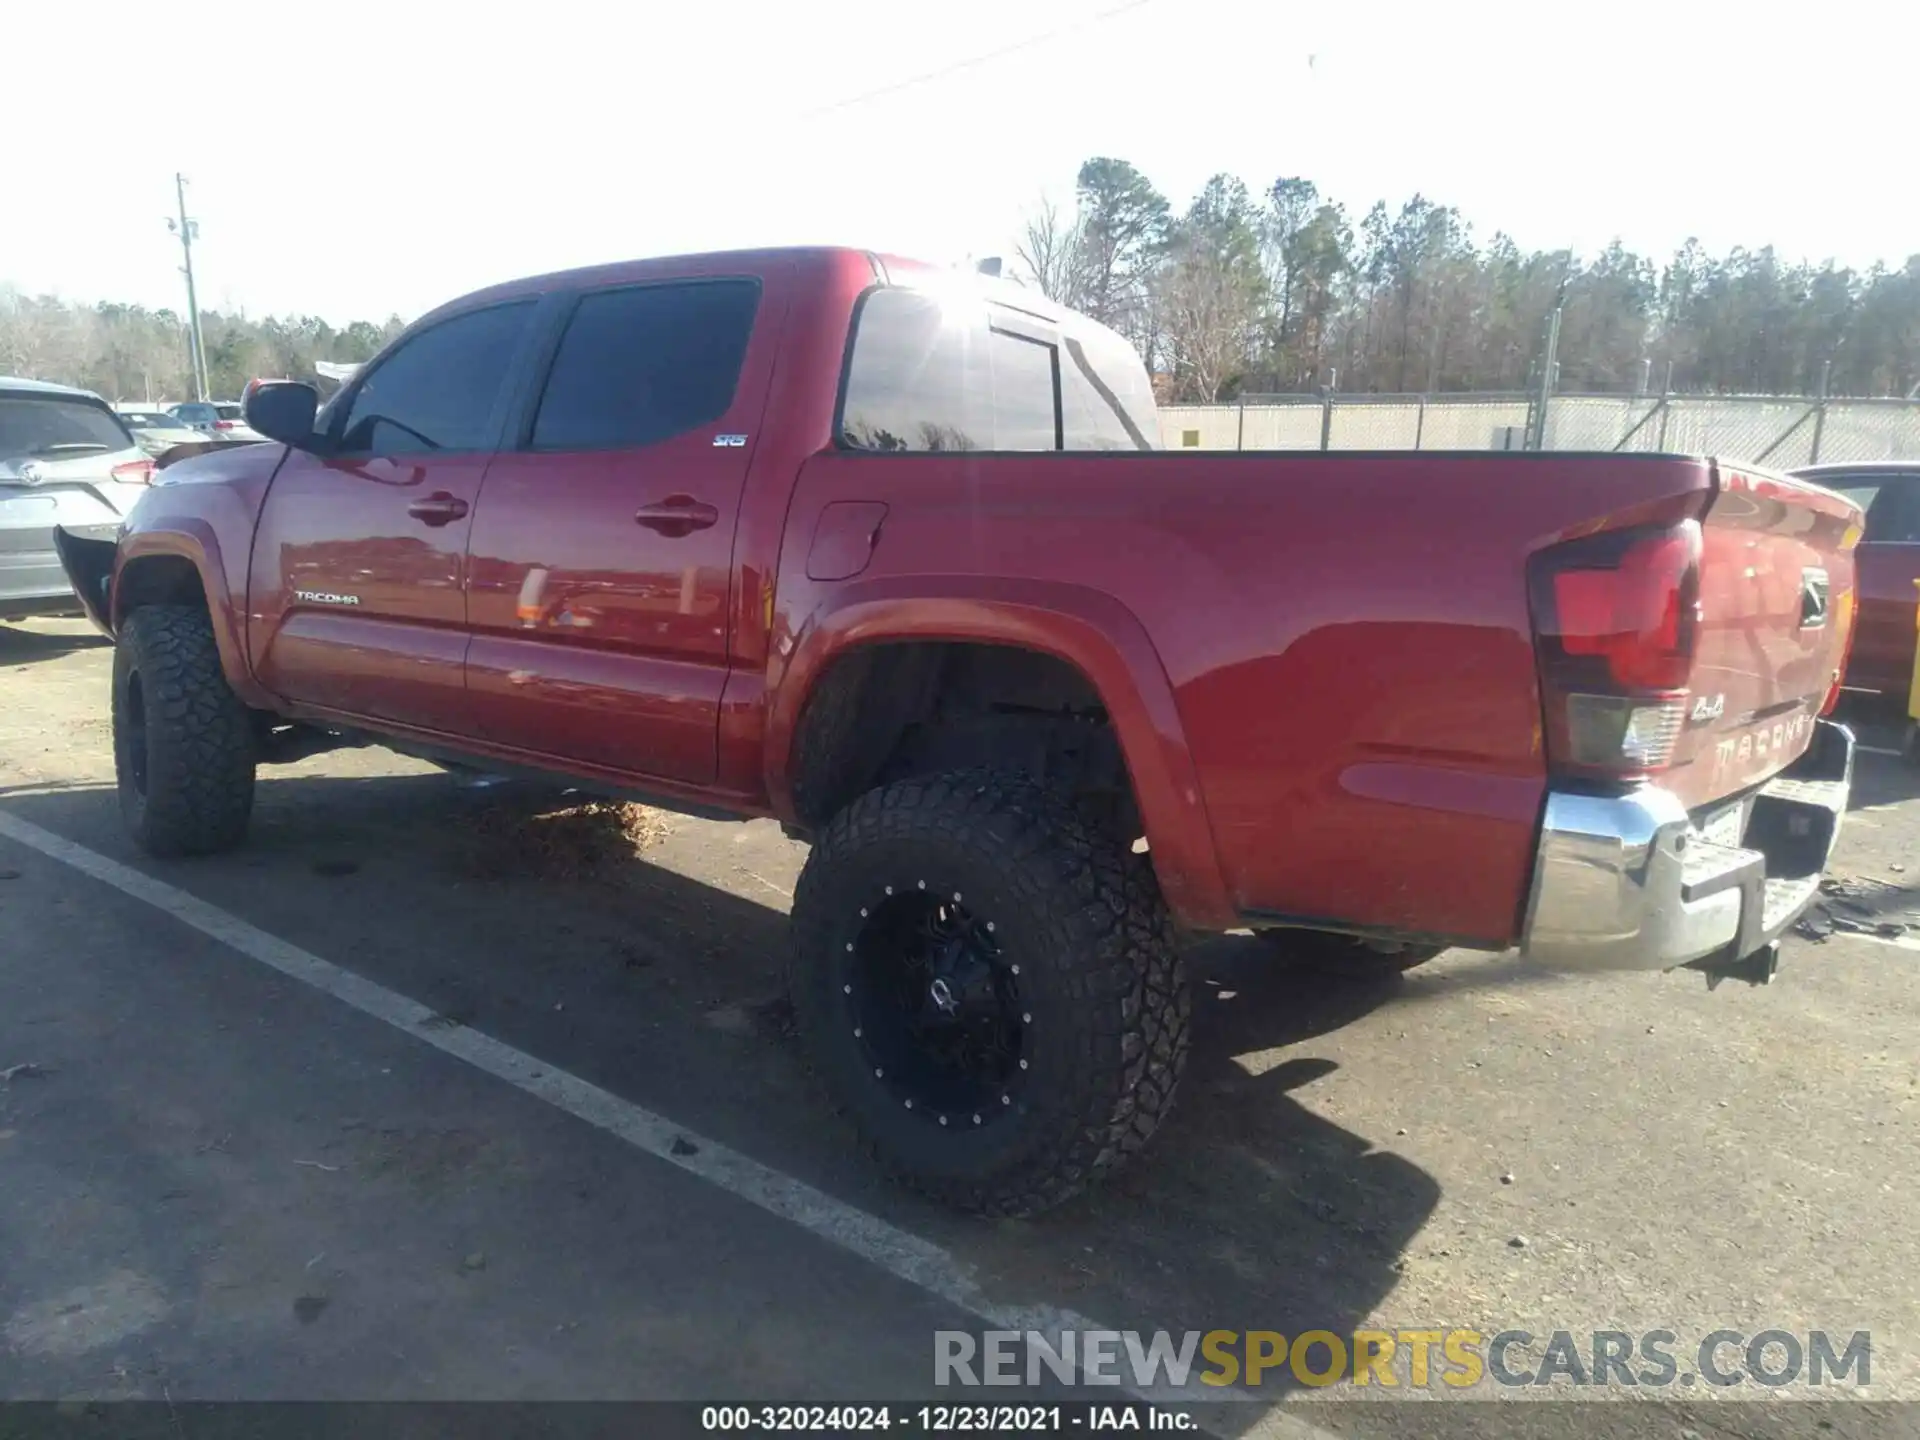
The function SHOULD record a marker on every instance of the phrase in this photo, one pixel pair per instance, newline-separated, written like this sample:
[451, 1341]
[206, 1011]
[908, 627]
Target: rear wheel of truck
[989, 987]
[183, 744]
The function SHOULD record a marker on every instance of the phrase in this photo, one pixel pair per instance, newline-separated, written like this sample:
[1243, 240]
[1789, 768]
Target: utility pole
[1820, 411]
[188, 229]
[1551, 364]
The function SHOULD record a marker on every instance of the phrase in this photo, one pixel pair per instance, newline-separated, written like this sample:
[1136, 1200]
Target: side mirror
[283, 410]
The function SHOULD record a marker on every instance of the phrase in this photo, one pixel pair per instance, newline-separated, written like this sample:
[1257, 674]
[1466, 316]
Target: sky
[356, 160]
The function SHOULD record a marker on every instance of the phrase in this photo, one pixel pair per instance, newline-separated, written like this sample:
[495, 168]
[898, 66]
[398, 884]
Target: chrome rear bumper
[1625, 882]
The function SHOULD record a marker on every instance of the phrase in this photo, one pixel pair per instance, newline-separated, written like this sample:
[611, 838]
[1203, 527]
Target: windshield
[40, 427]
[228, 412]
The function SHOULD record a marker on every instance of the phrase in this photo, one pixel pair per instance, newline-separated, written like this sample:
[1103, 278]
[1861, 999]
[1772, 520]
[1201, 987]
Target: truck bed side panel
[1348, 640]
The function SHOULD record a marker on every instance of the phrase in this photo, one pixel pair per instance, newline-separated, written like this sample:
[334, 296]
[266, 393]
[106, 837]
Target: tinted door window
[636, 367]
[1892, 504]
[1861, 492]
[441, 390]
[1895, 515]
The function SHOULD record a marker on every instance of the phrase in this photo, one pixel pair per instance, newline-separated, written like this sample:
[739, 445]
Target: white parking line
[1878, 750]
[901, 1254]
[1898, 942]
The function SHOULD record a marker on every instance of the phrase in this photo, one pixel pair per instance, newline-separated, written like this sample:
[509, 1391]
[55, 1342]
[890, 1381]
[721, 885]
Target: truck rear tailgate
[1776, 613]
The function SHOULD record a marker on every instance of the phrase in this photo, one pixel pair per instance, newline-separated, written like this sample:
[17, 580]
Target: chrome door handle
[439, 508]
[677, 515]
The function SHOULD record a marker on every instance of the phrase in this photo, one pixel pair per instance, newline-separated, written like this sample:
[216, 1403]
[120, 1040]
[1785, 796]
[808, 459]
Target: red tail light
[1616, 621]
[134, 472]
[225, 424]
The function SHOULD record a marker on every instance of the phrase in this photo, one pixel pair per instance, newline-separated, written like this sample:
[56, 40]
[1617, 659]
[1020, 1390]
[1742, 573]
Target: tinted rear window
[937, 372]
[639, 366]
[919, 378]
[1106, 399]
[35, 427]
[1026, 391]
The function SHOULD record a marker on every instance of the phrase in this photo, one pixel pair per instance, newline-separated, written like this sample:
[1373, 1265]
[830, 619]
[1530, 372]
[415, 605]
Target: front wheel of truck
[989, 987]
[183, 743]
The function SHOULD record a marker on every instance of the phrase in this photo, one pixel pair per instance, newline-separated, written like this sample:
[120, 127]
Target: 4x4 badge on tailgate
[1709, 707]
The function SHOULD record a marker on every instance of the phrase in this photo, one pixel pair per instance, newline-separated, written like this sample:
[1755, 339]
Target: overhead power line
[972, 61]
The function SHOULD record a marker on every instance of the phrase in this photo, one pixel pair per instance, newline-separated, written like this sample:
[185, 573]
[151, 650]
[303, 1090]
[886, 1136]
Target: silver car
[154, 430]
[66, 460]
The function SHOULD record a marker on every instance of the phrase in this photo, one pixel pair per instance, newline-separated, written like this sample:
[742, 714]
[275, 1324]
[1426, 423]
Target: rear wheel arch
[1093, 647]
[883, 709]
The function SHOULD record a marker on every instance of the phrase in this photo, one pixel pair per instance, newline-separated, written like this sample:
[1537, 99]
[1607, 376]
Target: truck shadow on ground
[23, 644]
[1250, 1212]
[1882, 780]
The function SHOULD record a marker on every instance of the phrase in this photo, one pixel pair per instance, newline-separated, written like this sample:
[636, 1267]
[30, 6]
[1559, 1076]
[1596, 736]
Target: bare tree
[1210, 311]
[1212, 291]
[1052, 251]
[1123, 224]
[127, 352]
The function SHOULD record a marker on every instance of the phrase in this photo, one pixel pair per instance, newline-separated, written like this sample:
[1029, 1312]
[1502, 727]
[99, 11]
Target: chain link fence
[1782, 432]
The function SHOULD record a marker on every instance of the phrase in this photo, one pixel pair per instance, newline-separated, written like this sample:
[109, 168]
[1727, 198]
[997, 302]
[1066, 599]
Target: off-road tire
[183, 744]
[1344, 957]
[1099, 974]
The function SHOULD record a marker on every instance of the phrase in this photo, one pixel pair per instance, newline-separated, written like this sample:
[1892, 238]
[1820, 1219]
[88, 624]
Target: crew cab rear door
[601, 558]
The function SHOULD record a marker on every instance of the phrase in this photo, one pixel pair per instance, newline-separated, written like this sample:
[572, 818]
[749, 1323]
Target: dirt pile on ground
[565, 840]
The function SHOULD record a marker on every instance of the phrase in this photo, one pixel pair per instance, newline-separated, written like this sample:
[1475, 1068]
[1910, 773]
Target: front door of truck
[359, 560]
[600, 563]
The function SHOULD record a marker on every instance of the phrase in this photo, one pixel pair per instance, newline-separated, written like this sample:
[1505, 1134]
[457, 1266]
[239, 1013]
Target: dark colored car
[892, 555]
[1886, 567]
[221, 419]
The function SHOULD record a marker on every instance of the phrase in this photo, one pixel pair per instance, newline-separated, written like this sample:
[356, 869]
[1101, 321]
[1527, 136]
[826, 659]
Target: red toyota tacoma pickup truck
[891, 554]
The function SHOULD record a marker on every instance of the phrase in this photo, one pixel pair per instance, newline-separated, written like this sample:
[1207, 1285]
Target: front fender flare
[1085, 628]
[194, 541]
[89, 566]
